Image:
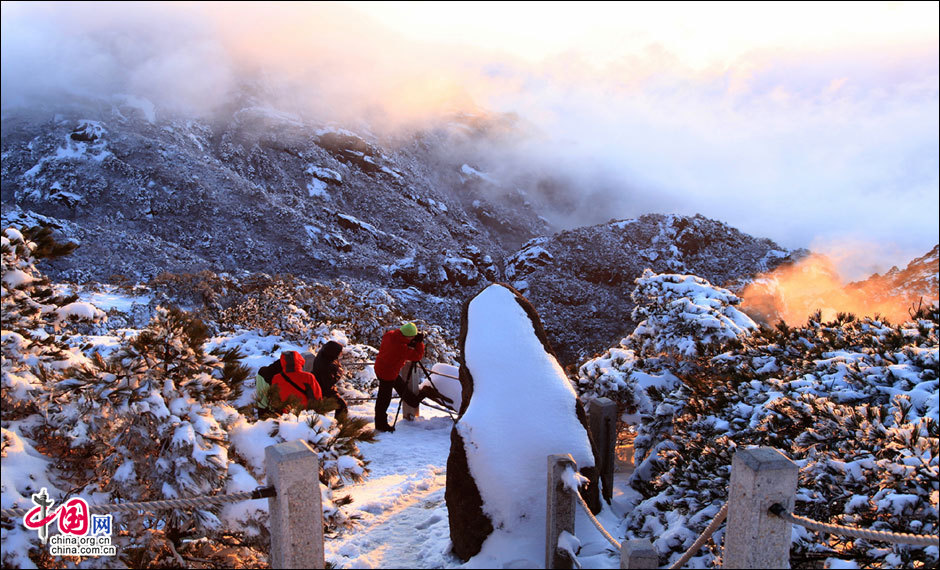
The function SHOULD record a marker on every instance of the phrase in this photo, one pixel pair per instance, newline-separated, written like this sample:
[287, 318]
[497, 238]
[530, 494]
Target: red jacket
[292, 364]
[393, 352]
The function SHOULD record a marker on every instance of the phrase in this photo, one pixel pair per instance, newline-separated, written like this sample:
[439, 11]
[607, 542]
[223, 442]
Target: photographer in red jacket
[398, 346]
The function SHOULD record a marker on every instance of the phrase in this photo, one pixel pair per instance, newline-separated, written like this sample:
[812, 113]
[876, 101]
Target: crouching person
[328, 370]
[289, 385]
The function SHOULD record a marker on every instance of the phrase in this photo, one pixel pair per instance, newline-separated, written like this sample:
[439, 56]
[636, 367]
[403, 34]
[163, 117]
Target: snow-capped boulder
[496, 471]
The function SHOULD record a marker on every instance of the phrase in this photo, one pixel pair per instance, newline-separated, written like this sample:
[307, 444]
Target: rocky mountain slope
[586, 275]
[918, 282]
[416, 215]
[263, 191]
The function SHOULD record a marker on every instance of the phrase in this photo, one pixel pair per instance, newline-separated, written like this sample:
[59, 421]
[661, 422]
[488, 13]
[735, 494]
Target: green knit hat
[409, 329]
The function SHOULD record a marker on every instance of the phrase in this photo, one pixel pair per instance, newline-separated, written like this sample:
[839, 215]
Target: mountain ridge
[416, 216]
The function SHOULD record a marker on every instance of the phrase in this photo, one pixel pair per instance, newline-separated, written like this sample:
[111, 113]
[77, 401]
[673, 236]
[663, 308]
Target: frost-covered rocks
[582, 278]
[496, 470]
[918, 282]
[257, 190]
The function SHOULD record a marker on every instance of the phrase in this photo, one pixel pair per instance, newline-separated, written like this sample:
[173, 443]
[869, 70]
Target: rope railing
[442, 375]
[702, 538]
[699, 542]
[883, 536]
[613, 542]
[182, 503]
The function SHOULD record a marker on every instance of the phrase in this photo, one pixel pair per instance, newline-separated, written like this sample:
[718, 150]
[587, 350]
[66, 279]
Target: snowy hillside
[918, 282]
[416, 215]
[259, 190]
[583, 278]
[106, 395]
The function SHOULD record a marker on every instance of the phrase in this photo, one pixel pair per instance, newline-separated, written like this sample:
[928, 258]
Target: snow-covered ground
[403, 519]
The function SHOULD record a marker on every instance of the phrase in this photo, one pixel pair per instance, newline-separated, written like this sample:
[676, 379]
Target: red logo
[74, 517]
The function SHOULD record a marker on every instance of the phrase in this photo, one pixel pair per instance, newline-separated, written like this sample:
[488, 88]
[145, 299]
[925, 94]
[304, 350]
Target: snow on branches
[684, 315]
[160, 415]
[853, 401]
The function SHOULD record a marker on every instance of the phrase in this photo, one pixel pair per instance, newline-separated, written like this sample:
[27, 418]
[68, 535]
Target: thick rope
[702, 538]
[184, 503]
[442, 375]
[892, 537]
[597, 523]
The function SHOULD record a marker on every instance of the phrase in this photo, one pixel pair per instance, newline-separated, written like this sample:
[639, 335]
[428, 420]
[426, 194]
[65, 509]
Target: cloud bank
[778, 130]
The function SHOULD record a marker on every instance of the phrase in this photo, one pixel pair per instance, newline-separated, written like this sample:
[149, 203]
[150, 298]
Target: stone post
[602, 417]
[295, 513]
[755, 538]
[638, 554]
[560, 507]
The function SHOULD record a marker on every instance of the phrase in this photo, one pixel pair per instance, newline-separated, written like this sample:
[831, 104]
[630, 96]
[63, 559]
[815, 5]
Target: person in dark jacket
[328, 370]
[291, 380]
[398, 346]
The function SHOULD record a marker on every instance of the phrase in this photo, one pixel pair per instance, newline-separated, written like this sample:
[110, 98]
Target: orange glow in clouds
[794, 292]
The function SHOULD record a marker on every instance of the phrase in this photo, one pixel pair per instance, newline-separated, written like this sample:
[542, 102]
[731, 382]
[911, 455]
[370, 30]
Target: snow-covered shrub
[155, 416]
[295, 309]
[36, 324]
[35, 318]
[654, 372]
[684, 316]
[854, 402]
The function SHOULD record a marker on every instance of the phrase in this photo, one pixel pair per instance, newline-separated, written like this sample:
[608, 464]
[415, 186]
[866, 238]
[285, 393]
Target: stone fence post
[295, 513]
[638, 554]
[755, 538]
[560, 507]
[602, 419]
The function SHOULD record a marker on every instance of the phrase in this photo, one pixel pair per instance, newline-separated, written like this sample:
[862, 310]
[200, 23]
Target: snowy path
[402, 515]
[401, 504]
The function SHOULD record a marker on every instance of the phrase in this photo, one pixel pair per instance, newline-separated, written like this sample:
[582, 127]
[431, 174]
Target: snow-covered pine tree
[159, 418]
[684, 317]
[36, 320]
[155, 415]
[658, 370]
[852, 401]
[154, 420]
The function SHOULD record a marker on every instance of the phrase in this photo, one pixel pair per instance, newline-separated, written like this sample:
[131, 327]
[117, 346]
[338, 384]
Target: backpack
[268, 374]
[263, 382]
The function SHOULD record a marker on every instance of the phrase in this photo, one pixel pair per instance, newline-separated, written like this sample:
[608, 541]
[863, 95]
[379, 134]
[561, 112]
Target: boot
[383, 425]
[432, 392]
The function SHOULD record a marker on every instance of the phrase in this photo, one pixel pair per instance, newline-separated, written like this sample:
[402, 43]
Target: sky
[813, 124]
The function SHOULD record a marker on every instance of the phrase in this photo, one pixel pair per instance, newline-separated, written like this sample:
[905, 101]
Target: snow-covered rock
[496, 470]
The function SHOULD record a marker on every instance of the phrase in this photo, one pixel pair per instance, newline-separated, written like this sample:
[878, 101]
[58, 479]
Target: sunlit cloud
[808, 123]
